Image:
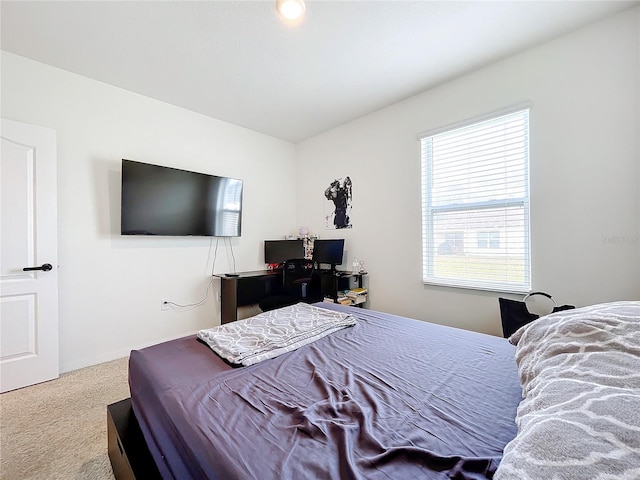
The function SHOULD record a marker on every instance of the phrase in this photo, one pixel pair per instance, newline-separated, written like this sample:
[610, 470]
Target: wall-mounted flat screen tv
[167, 201]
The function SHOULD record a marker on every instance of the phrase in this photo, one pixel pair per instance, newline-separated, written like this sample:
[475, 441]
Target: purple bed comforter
[389, 398]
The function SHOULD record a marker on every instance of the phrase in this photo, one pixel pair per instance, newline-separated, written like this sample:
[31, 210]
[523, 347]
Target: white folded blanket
[273, 333]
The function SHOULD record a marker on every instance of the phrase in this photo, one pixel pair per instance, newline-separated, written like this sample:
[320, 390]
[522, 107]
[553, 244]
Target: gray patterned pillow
[580, 414]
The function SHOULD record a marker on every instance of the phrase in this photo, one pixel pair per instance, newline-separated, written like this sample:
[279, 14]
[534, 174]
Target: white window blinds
[475, 205]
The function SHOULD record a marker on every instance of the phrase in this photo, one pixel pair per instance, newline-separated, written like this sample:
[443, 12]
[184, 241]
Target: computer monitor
[278, 251]
[328, 251]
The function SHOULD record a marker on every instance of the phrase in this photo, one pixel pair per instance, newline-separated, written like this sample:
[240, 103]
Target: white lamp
[290, 9]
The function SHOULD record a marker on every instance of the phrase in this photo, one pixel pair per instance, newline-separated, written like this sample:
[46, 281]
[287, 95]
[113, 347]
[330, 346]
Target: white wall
[110, 287]
[585, 156]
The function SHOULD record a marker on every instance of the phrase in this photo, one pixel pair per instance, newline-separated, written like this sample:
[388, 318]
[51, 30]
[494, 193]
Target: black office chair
[297, 275]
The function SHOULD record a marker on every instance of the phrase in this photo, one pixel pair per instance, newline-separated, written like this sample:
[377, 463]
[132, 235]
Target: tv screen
[160, 200]
[328, 251]
[278, 251]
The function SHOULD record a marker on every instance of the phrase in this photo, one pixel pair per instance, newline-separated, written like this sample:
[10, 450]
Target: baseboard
[90, 362]
[115, 355]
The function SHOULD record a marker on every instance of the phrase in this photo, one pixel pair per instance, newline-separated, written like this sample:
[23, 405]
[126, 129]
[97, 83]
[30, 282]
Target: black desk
[248, 288]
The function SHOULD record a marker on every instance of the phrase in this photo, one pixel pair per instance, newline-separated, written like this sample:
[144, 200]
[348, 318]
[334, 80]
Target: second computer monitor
[328, 251]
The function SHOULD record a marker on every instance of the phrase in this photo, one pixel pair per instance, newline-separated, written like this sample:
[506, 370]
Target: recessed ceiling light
[290, 9]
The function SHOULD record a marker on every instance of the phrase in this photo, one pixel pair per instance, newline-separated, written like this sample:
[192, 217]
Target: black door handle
[45, 268]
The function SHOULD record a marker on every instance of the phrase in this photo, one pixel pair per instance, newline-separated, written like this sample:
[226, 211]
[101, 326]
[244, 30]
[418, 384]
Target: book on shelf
[343, 300]
[358, 300]
[349, 297]
[359, 290]
[356, 293]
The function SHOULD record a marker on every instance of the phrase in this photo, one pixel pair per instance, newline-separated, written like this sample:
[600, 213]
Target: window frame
[429, 211]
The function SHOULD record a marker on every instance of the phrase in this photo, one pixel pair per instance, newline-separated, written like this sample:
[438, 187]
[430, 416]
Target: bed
[387, 398]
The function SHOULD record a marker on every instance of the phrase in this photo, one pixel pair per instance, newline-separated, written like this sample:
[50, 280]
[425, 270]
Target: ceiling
[237, 62]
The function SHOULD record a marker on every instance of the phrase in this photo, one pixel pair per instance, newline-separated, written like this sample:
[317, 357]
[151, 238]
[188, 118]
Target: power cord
[215, 254]
[232, 255]
[197, 304]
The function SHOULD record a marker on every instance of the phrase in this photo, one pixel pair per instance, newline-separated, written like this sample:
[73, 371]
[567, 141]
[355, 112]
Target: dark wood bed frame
[130, 458]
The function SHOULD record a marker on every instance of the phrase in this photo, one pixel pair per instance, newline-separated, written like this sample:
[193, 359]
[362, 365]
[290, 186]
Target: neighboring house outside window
[475, 204]
[488, 239]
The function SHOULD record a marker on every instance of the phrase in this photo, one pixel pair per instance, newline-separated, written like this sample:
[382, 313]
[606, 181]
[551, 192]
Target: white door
[28, 238]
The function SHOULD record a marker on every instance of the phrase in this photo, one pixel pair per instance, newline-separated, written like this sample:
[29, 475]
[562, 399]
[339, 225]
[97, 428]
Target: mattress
[390, 397]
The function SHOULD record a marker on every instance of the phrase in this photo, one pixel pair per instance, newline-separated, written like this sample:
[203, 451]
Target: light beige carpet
[58, 429]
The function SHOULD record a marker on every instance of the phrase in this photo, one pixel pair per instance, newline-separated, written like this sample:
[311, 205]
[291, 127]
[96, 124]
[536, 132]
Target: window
[475, 205]
[489, 239]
